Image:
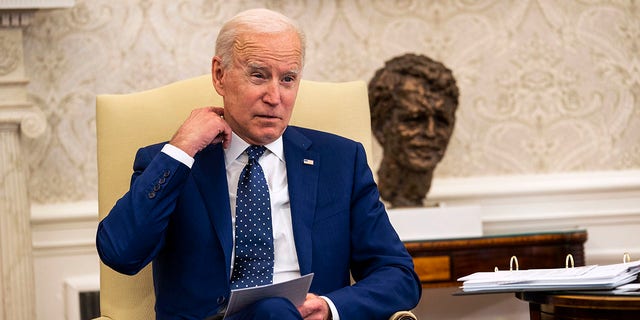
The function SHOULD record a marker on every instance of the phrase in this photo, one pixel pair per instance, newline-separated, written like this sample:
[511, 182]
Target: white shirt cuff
[334, 312]
[178, 154]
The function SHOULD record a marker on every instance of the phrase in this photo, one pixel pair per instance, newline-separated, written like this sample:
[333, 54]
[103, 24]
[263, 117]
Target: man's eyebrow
[260, 67]
[292, 72]
[255, 66]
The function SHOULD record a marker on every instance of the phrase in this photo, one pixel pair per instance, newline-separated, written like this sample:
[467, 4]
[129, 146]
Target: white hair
[253, 20]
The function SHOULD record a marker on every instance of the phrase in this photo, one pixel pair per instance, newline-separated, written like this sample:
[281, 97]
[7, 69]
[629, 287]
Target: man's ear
[217, 75]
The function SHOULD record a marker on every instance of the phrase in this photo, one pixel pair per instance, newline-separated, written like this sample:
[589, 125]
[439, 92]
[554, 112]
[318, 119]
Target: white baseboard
[488, 187]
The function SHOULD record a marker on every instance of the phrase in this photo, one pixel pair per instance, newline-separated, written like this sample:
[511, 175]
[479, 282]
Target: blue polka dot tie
[253, 264]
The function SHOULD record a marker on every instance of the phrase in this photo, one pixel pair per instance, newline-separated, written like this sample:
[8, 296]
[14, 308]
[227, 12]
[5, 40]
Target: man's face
[422, 123]
[261, 84]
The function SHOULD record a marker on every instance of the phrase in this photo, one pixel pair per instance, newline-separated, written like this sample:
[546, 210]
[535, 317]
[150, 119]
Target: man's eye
[289, 79]
[258, 75]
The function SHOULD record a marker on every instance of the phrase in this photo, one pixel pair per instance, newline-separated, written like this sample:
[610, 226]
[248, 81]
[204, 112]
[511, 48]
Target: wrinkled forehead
[281, 47]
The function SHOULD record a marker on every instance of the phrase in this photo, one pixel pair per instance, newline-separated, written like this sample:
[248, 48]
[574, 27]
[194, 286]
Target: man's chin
[267, 135]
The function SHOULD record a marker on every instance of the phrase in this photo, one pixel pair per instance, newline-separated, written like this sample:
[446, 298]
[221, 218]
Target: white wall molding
[36, 4]
[66, 228]
[443, 190]
[78, 211]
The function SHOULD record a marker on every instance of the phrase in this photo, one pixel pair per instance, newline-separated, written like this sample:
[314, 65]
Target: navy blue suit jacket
[180, 219]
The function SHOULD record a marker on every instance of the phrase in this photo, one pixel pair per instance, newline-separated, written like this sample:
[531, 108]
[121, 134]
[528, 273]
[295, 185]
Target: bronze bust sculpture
[413, 100]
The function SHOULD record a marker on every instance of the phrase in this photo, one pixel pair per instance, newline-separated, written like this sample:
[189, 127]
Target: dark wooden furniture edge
[578, 236]
[439, 263]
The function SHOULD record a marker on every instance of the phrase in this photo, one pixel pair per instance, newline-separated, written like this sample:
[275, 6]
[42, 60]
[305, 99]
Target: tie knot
[254, 152]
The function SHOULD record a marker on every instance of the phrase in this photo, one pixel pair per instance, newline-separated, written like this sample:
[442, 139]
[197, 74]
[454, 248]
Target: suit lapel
[302, 176]
[207, 169]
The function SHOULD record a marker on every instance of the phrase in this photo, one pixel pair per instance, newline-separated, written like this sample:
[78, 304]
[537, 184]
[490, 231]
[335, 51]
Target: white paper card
[295, 290]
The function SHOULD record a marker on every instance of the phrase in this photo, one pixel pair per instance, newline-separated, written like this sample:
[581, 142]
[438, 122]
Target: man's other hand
[314, 308]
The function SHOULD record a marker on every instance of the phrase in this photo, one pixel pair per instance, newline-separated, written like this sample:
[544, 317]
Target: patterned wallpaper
[546, 86]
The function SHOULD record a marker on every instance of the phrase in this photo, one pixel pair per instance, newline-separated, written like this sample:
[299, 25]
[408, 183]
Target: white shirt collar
[237, 147]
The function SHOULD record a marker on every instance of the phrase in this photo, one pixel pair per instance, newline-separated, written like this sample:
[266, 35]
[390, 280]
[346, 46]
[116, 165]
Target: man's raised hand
[203, 127]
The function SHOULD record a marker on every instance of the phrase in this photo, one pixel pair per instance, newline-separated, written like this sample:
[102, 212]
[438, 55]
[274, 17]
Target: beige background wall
[546, 86]
[546, 137]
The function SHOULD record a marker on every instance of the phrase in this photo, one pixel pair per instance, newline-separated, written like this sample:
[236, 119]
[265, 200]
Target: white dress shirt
[272, 162]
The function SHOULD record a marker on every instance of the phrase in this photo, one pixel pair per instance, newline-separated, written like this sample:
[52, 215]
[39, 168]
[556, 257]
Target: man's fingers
[224, 136]
[218, 110]
[203, 127]
[226, 140]
[313, 307]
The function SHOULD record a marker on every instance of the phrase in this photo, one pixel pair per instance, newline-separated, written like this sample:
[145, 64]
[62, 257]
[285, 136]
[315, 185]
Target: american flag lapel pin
[308, 162]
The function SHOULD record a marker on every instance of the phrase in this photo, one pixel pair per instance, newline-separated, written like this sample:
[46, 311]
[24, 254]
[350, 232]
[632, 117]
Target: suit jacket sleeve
[132, 234]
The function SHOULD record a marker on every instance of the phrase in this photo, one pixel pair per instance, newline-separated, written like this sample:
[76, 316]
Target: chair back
[127, 122]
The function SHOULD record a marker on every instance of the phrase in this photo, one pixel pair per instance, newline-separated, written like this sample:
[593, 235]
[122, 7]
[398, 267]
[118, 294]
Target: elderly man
[239, 198]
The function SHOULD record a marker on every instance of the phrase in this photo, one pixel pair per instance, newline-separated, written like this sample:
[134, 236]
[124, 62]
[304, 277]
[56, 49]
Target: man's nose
[272, 94]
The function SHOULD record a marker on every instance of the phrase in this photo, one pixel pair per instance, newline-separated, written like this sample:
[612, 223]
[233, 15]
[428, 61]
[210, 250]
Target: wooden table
[550, 306]
[439, 263]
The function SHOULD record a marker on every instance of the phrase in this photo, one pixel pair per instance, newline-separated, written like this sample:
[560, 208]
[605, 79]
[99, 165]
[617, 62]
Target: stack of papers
[594, 277]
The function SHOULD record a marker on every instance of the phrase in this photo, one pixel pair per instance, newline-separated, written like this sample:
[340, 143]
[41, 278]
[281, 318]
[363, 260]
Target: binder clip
[568, 259]
[511, 262]
[626, 257]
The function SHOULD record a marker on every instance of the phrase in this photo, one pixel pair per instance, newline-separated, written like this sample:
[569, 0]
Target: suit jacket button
[166, 174]
[221, 300]
[156, 187]
[151, 195]
[161, 181]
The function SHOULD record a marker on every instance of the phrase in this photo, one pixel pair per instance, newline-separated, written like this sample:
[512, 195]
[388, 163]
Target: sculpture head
[413, 100]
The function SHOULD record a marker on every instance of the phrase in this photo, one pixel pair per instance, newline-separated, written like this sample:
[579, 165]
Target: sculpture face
[421, 124]
[413, 101]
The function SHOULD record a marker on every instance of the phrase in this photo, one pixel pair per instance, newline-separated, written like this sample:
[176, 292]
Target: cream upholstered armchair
[130, 121]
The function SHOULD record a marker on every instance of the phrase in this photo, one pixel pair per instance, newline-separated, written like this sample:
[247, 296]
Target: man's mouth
[266, 116]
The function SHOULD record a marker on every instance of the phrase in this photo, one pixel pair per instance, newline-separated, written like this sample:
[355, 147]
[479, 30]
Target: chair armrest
[403, 315]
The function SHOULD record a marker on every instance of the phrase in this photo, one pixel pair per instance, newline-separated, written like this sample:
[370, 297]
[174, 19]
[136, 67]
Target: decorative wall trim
[64, 212]
[67, 228]
[12, 54]
[533, 185]
[31, 119]
[35, 4]
[15, 18]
